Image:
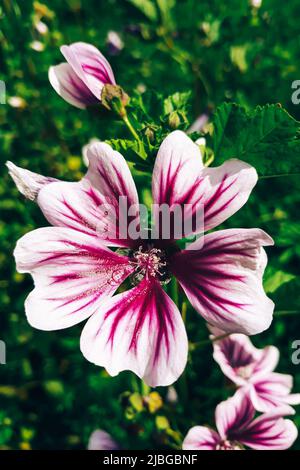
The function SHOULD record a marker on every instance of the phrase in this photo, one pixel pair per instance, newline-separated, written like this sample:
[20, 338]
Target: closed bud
[80, 79]
[174, 120]
[149, 133]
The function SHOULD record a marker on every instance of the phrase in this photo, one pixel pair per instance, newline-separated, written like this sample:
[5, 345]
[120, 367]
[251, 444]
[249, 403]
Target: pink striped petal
[90, 66]
[180, 178]
[73, 205]
[109, 173]
[140, 330]
[228, 189]
[223, 280]
[177, 170]
[92, 206]
[177, 176]
[267, 362]
[70, 87]
[233, 415]
[241, 361]
[201, 438]
[272, 391]
[270, 431]
[72, 274]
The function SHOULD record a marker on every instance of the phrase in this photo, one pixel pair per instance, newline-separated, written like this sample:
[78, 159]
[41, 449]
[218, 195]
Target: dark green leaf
[267, 138]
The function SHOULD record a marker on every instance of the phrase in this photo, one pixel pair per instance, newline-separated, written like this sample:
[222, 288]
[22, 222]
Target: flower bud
[174, 120]
[150, 133]
[80, 80]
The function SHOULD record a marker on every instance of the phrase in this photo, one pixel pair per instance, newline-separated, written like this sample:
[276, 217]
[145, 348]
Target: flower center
[245, 372]
[229, 445]
[150, 262]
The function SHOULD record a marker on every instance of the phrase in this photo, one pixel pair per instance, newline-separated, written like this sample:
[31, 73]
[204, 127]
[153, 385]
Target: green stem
[279, 175]
[279, 313]
[130, 127]
[201, 77]
[209, 341]
[145, 389]
[184, 311]
[182, 388]
[174, 291]
[134, 383]
[218, 338]
[209, 160]
[182, 382]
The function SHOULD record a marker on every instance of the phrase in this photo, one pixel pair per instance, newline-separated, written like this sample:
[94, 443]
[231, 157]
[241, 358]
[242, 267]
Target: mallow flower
[101, 440]
[236, 428]
[76, 273]
[252, 370]
[80, 79]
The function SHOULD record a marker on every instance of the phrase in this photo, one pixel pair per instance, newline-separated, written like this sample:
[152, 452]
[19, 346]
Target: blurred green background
[50, 396]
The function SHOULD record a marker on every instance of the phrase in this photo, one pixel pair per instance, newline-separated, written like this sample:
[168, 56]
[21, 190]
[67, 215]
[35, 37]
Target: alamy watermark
[2, 92]
[296, 94]
[2, 352]
[162, 222]
[296, 354]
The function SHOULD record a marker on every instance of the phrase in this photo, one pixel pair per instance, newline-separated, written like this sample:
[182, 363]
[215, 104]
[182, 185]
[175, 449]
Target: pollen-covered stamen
[150, 263]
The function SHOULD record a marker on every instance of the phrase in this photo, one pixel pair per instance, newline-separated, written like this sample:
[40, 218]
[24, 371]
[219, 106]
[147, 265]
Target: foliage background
[50, 396]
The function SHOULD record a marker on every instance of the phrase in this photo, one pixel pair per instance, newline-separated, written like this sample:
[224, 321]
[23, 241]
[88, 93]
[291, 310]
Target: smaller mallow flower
[236, 428]
[80, 80]
[252, 369]
[101, 440]
[41, 27]
[114, 43]
[15, 102]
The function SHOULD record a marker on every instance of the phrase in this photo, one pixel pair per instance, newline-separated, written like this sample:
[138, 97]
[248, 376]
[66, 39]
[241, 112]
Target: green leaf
[238, 57]
[147, 7]
[212, 30]
[268, 138]
[131, 149]
[165, 7]
[275, 279]
[54, 387]
[162, 423]
[288, 234]
[177, 101]
[287, 296]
